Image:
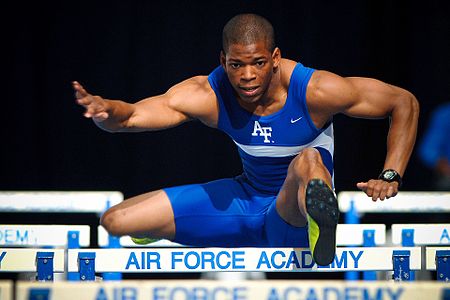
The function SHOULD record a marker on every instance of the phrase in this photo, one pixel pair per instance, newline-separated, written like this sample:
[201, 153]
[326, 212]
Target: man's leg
[146, 215]
[306, 198]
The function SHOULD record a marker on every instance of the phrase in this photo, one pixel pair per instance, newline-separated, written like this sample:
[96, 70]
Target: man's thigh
[148, 214]
[221, 213]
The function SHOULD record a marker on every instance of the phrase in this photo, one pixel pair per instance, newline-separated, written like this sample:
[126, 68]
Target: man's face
[250, 69]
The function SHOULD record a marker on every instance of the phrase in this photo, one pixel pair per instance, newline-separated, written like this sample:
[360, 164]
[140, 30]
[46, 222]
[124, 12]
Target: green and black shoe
[323, 216]
[143, 241]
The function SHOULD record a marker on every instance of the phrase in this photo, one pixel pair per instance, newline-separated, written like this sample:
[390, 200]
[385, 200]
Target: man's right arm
[190, 99]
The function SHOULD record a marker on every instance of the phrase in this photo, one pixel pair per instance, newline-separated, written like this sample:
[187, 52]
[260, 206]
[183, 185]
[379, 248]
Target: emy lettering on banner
[16, 237]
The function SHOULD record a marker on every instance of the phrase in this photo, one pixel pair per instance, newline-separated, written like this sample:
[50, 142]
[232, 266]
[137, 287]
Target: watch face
[389, 175]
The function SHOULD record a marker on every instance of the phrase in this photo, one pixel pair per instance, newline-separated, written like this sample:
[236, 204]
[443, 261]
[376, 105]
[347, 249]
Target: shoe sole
[322, 207]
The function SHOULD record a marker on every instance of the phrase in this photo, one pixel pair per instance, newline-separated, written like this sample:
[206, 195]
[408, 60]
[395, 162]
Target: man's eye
[235, 66]
[260, 63]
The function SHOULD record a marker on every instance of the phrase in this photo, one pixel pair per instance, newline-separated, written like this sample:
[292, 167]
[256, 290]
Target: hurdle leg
[369, 241]
[352, 217]
[443, 265]
[73, 242]
[44, 262]
[113, 242]
[400, 260]
[408, 241]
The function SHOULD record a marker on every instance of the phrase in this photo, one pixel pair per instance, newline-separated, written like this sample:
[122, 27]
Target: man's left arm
[371, 98]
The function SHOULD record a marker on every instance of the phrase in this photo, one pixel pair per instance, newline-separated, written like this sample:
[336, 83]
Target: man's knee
[111, 220]
[306, 160]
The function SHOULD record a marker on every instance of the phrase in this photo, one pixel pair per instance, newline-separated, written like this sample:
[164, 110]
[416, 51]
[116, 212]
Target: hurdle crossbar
[6, 290]
[421, 234]
[239, 259]
[25, 259]
[43, 235]
[220, 290]
[56, 201]
[412, 202]
[346, 235]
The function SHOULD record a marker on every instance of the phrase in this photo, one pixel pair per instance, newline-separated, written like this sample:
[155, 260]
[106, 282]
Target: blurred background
[130, 50]
[134, 49]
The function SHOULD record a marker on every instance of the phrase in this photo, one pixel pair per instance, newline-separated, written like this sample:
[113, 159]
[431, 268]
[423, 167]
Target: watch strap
[390, 175]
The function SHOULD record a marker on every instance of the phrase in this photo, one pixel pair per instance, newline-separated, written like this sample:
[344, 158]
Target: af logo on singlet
[258, 130]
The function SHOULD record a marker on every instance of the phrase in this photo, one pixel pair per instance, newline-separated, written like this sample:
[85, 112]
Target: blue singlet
[239, 212]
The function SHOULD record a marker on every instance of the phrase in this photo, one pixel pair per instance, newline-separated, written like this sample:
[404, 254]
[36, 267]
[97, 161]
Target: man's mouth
[249, 91]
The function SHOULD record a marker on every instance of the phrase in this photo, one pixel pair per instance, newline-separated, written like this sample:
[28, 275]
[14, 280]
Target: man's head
[246, 29]
[249, 56]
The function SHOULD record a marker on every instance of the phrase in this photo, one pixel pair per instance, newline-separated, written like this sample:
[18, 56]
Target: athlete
[279, 113]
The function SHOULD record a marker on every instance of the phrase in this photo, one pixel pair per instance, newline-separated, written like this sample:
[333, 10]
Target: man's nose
[248, 73]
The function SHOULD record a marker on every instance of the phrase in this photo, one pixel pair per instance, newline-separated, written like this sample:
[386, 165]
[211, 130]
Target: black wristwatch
[390, 175]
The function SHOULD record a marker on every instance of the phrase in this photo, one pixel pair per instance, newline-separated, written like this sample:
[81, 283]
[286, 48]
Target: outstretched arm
[190, 99]
[369, 98]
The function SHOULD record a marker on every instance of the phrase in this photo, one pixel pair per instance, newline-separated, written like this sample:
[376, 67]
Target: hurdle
[367, 235]
[355, 203]
[44, 262]
[420, 234]
[247, 290]
[95, 202]
[124, 260]
[6, 290]
[46, 236]
[58, 202]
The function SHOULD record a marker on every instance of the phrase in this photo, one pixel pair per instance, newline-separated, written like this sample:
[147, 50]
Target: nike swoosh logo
[293, 121]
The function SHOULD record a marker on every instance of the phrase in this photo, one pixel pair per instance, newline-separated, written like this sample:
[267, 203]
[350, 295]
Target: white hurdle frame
[421, 234]
[58, 201]
[412, 202]
[261, 290]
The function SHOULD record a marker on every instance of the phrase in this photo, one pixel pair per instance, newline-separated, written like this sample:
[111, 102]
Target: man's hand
[379, 189]
[96, 106]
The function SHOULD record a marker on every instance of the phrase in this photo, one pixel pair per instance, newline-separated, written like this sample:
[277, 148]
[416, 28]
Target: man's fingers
[378, 189]
[390, 192]
[383, 192]
[84, 101]
[80, 92]
[362, 186]
[100, 117]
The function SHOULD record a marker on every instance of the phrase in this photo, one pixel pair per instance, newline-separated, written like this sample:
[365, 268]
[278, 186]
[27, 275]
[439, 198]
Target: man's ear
[276, 57]
[223, 59]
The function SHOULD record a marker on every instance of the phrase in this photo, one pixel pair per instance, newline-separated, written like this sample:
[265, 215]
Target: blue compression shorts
[230, 213]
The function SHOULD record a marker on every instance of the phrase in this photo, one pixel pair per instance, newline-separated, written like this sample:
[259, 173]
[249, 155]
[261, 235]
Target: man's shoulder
[287, 68]
[197, 84]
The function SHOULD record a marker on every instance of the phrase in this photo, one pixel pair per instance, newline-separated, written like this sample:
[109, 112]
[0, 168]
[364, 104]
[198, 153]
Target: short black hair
[248, 29]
